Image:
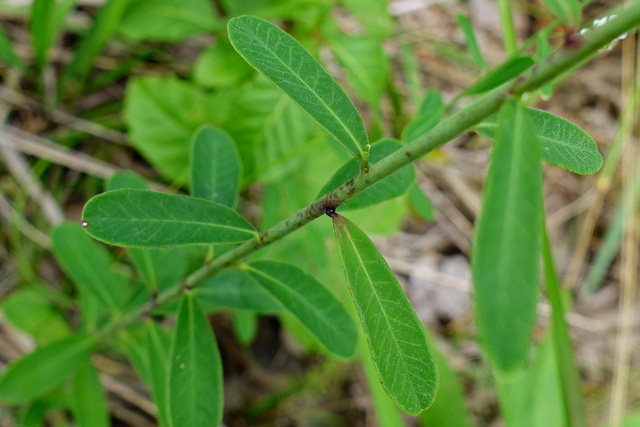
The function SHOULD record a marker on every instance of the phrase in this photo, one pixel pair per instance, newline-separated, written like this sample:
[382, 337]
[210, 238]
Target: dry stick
[451, 127]
[631, 237]
[69, 120]
[40, 147]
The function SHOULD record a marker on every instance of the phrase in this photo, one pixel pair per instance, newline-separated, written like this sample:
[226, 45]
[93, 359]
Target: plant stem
[451, 127]
[508, 29]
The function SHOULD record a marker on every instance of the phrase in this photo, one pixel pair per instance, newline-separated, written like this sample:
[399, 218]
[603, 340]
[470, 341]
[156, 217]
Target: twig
[448, 129]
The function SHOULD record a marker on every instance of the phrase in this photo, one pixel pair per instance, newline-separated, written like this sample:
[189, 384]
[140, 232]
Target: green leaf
[220, 66]
[449, 408]
[310, 302]
[7, 53]
[235, 289]
[168, 20]
[159, 269]
[396, 336]
[88, 398]
[366, 64]
[289, 66]
[270, 131]
[42, 28]
[245, 325]
[30, 310]
[567, 12]
[500, 75]
[160, 127]
[142, 218]
[215, 167]
[89, 266]
[125, 179]
[532, 396]
[429, 115]
[106, 23]
[392, 186]
[563, 143]
[421, 203]
[157, 354]
[44, 369]
[195, 370]
[507, 247]
[469, 37]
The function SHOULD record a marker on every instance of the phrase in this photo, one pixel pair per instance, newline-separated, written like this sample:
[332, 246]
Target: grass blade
[500, 75]
[507, 247]
[106, 23]
[7, 53]
[289, 66]
[142, 218]
[44, 369]
[469, 37]
[89, 266]
[195, 371]
[396, 337]
[88, 398]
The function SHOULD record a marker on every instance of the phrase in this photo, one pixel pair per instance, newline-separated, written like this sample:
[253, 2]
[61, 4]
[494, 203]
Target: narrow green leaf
[106, 23]
[289, 66]
[245, 325]
[220, 66]
[89, 266]
[125, 179]
[88, 398]
[195, 370]
[567, 12]
[563, 143]
[396, 336]
[450, 407]
[392, 186]
[500, 75]
[157, 354]
[532, 396]
[168, 20]
[44, 369]
[420, 202]
[235, 289]
[31, 311]
[270, 131]
[159, 269]
[543, 50]
[429, 115]
[310, 302]
[507, 247]
[215, 167]
[568, 375]
[41, 26]
[159, 124]
[469, 37]
[7, 53]
[365, 63]
[142, 218]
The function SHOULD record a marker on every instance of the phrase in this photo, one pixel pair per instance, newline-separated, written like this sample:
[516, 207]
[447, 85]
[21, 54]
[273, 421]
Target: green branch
[451, 127]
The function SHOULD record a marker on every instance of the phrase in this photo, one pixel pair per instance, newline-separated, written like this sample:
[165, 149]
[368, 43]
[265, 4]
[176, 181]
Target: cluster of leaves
[199, 249]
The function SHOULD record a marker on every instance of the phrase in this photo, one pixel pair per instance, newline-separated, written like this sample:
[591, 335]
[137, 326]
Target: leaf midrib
[375, 293]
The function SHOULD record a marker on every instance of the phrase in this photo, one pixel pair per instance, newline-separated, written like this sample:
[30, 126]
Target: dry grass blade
[631, 237]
